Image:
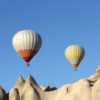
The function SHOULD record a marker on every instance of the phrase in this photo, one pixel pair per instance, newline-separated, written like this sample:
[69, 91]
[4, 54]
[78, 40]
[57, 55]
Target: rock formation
[83, 89]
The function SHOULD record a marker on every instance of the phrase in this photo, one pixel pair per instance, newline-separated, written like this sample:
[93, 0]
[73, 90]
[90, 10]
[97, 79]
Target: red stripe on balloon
[27, 54]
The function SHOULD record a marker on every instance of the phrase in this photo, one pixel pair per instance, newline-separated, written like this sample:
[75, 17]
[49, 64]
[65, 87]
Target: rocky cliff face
[84, 89]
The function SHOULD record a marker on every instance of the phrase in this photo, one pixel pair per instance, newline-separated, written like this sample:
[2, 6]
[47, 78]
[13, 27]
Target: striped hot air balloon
[27, 43]
[74, 54]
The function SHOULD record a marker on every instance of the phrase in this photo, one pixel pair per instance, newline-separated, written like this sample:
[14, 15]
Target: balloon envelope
[74, 54]
[27, 43]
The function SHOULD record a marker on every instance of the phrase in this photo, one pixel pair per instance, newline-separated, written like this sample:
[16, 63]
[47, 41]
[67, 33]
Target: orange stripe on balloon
[27, 54]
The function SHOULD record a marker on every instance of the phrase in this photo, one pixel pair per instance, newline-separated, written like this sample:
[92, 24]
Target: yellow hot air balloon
[74, 54]
[27, 43]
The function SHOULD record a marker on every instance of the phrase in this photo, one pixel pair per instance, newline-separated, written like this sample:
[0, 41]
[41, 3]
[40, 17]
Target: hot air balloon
[27, 43]
[74, 54]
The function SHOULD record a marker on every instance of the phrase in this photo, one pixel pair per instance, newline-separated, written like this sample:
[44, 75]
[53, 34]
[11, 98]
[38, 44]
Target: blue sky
[60, 23]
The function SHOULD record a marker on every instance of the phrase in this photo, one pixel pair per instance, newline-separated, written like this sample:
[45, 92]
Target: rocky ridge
[83, 89]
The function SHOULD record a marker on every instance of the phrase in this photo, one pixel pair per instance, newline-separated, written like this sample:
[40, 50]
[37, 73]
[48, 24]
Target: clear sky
[60, 23]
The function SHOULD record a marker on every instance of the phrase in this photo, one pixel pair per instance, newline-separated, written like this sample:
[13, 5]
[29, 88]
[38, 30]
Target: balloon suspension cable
[27, 64]
[75, 69]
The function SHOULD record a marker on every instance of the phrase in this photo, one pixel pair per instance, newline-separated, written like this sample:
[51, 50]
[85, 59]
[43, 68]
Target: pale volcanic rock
[96, 91]
[20, 85]
[29, 91]
[96, 76]
[14, 94]
[83, 89]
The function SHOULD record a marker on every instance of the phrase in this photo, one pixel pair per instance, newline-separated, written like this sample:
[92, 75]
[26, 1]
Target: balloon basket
[27, 65]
